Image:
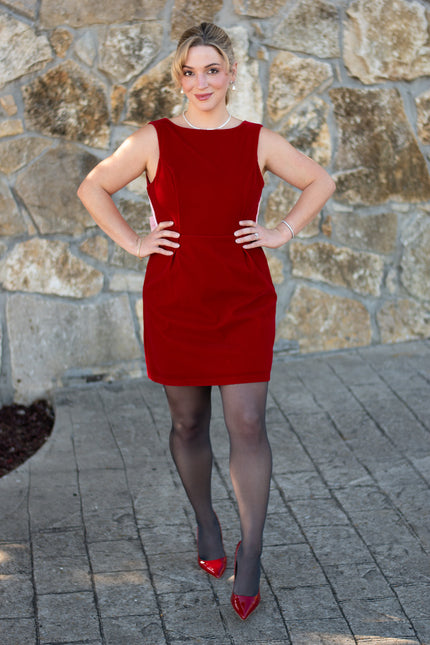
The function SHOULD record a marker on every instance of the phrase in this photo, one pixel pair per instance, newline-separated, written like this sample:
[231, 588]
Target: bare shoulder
[144, 139]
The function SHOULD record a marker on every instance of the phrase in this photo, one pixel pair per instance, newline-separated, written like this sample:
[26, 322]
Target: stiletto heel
[243, 605]
[214, 567]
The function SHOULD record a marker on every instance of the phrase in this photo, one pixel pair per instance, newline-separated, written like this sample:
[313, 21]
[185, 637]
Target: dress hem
[230, 380]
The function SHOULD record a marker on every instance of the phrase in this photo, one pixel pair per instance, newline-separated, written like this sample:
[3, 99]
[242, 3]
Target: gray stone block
[17, 631]
[133, 630]
[15, 559]
[125, 593]
[110, 524]
[337, 544]
[321, 511]
[292, 566]
[16, 596]
[329, 631]
[381, 617]
[117, 555]
[357, 580]
[68, 617]
[301, 602]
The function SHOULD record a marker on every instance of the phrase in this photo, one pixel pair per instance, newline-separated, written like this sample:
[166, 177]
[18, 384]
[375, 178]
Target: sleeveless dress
[209, 309]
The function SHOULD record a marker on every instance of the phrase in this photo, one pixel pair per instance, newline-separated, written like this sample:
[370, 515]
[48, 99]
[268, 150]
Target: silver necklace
[217, 128]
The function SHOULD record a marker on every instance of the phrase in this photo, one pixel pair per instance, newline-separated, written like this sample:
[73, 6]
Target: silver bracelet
[290, 227]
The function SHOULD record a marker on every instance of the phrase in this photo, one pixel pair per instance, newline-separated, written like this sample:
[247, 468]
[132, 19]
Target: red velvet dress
[209, 309]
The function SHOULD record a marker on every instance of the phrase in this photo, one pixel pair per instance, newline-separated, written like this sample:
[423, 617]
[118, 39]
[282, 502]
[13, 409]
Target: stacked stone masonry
[347, 82]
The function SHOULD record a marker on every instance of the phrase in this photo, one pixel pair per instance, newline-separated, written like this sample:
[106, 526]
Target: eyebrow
[206, 66]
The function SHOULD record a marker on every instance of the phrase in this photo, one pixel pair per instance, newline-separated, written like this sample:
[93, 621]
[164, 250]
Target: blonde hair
[206, 34]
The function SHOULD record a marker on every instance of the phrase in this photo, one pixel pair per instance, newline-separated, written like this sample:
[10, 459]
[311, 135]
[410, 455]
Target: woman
[209, 302]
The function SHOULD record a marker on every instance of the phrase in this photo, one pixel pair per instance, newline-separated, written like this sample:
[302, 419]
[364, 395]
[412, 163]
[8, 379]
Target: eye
[213, 70]
[187, 72]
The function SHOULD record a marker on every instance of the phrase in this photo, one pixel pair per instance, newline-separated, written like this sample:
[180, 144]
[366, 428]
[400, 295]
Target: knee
[188, 429]
[248, 427]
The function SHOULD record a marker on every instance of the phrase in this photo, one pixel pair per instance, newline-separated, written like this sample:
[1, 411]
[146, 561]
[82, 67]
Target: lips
[202, 97]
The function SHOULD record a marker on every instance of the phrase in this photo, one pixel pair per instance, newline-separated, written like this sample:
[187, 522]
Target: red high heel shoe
[243, 605]
[214, 567]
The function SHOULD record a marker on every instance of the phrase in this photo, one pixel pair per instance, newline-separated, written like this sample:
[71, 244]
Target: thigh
[190, 406]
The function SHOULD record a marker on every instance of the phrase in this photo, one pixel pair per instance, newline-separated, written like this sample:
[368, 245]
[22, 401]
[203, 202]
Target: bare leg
[190, 409]
[250, 470]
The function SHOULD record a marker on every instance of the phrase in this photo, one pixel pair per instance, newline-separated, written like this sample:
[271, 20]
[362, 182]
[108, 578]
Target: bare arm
[138, 154]
[280, 157]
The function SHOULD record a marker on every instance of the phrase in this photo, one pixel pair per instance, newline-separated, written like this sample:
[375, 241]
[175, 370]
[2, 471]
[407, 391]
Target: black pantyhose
[250, 467]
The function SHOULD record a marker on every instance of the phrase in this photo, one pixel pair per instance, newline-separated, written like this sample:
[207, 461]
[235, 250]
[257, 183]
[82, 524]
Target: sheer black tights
[250, 467]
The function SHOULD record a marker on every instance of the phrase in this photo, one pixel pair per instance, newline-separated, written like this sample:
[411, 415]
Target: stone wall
[347, 82]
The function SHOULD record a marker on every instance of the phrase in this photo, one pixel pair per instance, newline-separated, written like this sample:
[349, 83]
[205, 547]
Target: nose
[202, 80]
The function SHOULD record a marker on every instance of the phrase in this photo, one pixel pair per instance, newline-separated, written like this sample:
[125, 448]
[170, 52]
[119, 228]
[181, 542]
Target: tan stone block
[415, 263]
[403, 320]
[258, 8]
[68, 102]
[186, 13]
[422, 103]
[339, 266]
[125, 51]
[11, 127]
[11, 220]
[292, 79]
[94, 12]
[377, 156]
[17, 153]
[44, 266]
[97, 247]
[21, 50]
[153, 95]
[320, 321]
[25, 7]
[61, 39]
[307, 130]
[48, 190]
[129, 282]
[117, 102]
[86, 49]
[366, 232]
[279, 204]
[276, 267]
[246, 102]
[137, 214]
[386, 40]
[8, 104]
[138, 307]
[310, 26]
[66, 337]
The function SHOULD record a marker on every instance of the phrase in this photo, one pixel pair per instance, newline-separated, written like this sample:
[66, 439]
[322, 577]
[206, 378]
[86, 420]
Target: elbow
[331, 185]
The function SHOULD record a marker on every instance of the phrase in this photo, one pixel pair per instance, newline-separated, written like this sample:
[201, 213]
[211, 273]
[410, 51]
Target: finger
[248, 222]
[246, 231]
[162, 251]
[247, 239]
[162, 225]
[174, 245]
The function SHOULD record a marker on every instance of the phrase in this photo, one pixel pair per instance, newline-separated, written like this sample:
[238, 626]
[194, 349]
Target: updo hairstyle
[206, 34]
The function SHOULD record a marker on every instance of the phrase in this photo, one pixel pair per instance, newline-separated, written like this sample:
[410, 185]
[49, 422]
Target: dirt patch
[23, 430]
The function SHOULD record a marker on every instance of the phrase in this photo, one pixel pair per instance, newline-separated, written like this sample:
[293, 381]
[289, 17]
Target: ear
[233, 71]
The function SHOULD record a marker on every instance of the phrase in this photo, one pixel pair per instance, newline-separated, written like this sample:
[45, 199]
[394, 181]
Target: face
[205, 77]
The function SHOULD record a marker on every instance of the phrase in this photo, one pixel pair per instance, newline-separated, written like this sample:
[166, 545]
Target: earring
[182, 91]
[233, 86]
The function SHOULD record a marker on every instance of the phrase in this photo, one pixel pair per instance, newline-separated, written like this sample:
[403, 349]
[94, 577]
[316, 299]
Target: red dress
[209, 309]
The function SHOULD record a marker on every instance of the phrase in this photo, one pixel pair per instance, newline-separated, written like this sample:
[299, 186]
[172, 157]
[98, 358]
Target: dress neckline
[181, 127]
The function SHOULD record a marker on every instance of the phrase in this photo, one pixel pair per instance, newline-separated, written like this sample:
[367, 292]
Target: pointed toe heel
[243, 605]
[216, 567]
